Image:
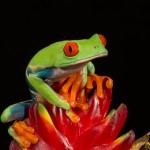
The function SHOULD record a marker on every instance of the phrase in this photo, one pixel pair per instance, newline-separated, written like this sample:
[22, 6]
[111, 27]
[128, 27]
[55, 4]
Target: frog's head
[71, 52]
[80, 51]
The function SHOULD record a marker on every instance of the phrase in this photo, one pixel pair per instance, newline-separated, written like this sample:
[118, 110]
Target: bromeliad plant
[83, 119]
[91, 127]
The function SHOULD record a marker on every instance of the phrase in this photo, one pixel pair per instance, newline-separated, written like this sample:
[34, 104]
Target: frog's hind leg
[15, 111]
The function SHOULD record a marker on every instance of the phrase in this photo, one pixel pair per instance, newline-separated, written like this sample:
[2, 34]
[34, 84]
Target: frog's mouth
[83, 61]
[75, 67]
[78, 65]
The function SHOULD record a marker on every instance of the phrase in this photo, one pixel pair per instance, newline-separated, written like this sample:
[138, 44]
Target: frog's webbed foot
[23, 134]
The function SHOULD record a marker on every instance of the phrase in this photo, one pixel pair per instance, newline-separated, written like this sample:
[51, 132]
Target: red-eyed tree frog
[52, 64]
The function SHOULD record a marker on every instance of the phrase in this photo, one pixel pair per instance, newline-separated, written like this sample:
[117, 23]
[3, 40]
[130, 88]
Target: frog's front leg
[90, 68]
[37, 82]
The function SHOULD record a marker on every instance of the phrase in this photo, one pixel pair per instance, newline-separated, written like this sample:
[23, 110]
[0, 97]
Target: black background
[26, 27]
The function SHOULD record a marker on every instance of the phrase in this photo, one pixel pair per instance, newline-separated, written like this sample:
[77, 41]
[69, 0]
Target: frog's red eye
[103, 39]
[71, 49]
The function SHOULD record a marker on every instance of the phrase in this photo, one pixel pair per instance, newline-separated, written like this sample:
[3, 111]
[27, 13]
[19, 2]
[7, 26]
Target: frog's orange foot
[23, 134]
[99, 81]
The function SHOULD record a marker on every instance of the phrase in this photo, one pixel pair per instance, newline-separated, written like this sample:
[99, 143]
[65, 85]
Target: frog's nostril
[103, 39]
